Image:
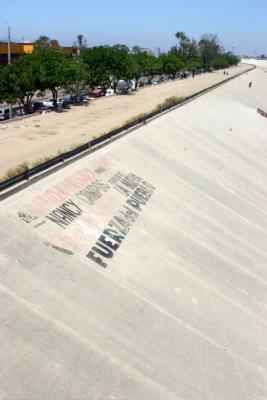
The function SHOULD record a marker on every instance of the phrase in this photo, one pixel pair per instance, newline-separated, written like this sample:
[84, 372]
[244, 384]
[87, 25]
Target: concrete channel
[139, 272]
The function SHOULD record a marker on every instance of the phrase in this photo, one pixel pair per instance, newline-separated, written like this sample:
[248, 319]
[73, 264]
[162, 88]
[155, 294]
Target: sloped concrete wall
[139, 272]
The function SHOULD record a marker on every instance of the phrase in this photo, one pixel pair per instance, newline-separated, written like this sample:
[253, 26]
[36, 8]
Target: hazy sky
[241, 24]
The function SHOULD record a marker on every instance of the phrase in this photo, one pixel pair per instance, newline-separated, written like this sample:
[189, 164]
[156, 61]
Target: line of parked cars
[62, 102]
[123, 87]
[44, 105]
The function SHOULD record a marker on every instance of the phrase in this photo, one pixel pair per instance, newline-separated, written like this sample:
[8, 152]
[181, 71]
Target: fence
[104, 138]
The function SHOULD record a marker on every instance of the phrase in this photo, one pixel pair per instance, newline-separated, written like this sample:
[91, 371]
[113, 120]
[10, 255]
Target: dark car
[64, 102]
[82, 99]
[38, 107]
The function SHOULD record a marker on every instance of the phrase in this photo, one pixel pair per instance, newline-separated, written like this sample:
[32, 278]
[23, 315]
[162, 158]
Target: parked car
[38, 107]
[184, 74]
[94, 94]
[123, 86]
[82, 99]
[64, 102]
[69, 99]
[109, 92]
[48, 103]
[61, 102]
[4, 113]
[133, 85]
[123, 91]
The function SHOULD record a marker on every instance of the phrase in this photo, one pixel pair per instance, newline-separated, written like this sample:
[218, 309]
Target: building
[16, 49]
[157, 52]
[138, 49]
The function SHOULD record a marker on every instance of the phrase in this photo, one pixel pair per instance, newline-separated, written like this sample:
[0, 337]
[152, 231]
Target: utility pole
[9, 62]
[8, 47]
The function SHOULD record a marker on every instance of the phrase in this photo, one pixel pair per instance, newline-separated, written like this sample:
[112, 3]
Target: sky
[241, 25]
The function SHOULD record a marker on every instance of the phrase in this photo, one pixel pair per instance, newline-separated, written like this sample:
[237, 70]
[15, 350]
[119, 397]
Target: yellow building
[17, 49]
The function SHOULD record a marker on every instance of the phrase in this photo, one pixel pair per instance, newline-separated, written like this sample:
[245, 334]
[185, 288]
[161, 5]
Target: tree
[81, 42]
[76, 79]
[134, 69]
[192, 65]
[209, 48]
[54, 42]
[171, 64]
[143, 64]
[225, 61]
[105, 66]
[8, 90]
[21, 81]
[136, 48]
[98, 64]
[120, 65]
[43, 41]
[122, 47]
[193, 51]
[219, 63]
[54, 70]
[152, 67]
[232, 59]
[184, 43]
[173, 50]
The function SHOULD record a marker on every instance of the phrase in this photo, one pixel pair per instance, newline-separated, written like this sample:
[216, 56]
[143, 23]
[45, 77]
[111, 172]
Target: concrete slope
[139, 272]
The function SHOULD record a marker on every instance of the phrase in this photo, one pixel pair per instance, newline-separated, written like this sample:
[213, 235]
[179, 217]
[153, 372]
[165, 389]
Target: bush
[19, 169]
[168, 103]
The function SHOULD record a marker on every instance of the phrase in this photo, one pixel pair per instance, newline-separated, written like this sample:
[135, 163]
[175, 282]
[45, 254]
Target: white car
[110, 92]
[48, 103]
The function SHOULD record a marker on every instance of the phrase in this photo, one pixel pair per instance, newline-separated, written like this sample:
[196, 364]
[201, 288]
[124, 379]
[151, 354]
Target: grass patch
[41, 160]
[73, 146]
[19, 169]
[136, 118]
[168, 103]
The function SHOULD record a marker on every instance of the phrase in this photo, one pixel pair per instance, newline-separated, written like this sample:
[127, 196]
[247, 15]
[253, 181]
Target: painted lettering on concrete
[119, 226]
[65, 214]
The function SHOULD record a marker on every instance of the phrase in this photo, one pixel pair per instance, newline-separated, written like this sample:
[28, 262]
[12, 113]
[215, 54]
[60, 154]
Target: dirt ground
[30, 139]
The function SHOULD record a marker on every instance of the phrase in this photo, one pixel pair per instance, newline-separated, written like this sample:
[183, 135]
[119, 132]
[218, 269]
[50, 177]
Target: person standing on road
[250, 84]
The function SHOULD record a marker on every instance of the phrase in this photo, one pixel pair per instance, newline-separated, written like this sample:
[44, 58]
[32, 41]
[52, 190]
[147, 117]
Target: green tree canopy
[76, 79]
[209, 48]
[121, 47]
[21, 80]
[152, 67]
[184, 43]
[81, 42]
[42, 41]
[54, 66]
[54, 42]
[225, 61]
[171, 64]
[145, 65]
[105, 65]
[8, 89]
